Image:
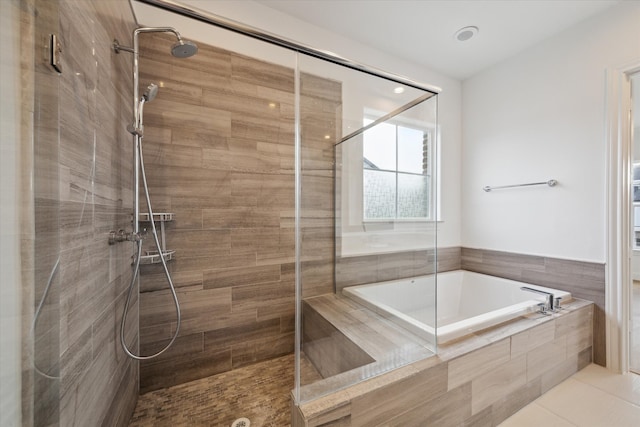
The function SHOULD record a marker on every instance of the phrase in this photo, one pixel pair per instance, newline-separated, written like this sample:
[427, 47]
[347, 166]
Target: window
[396, 172]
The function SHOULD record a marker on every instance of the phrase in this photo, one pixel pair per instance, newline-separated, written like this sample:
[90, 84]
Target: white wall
[10, 341]
[541, 115]
[266, 19]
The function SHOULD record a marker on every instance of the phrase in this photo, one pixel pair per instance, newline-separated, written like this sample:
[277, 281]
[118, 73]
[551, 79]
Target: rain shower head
[150, 93]
[184, 49]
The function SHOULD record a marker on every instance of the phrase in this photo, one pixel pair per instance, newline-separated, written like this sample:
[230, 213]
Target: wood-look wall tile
[236, 102]
[153, 278]
[241, 276]
[193, 243]
[185, 218]
[239, 218]
[215, 319]
[154, 333]
[317, 87]
[337, 417]
[559, 373]
[179, 116]
[249, 352]
[202, 263]
[158, 307]
[184, 369]
[172, 89]
[449, 259]
[498, 383]
[483, 418]
[580, 339]
[200, 138]
[317, 277]
[511, 404]
[262, 129]
[572, 321]
[262, 73]
[120, 409]
[172, 155]
[384, 402]
[252, 240]
[542, 358]
[468, 367]
[157, 135]
[75, 362]
[237, 334]
[183, 346]
[526, 341]
[253, 296]
[450, 409]
[247, 160]
[180, 181]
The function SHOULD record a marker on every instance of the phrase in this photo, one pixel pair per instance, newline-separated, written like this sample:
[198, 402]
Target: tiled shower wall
[219, 146]
[98, 383]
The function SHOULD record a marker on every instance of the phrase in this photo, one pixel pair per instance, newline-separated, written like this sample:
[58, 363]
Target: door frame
[618, 213]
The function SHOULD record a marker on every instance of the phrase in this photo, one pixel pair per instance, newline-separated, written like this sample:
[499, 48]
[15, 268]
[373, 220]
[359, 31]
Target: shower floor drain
[241, 422]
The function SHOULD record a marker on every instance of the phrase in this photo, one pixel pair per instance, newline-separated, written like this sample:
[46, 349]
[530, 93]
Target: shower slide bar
[550, 183]
[218, 21]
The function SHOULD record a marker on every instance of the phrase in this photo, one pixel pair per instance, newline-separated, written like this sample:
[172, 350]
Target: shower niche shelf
[154, 257]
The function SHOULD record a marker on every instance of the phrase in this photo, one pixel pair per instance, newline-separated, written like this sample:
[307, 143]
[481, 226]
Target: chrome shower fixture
[151, 92]
[149, 95]
[184, 49]
[181, 49]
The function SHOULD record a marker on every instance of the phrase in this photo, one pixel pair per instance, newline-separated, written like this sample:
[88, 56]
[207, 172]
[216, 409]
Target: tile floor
[259, 392]
[593, 397]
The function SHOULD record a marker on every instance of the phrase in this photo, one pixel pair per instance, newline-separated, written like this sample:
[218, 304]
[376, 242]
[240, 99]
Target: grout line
[582, 381]
[553, 412]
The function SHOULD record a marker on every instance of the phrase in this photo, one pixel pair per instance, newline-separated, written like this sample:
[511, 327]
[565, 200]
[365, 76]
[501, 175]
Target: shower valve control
[123, 236]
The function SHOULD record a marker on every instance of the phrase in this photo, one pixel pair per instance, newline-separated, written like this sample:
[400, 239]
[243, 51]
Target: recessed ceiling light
[466, 33]
[399, 89]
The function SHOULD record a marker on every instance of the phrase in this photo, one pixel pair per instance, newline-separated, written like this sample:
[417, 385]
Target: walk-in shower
[181, 49]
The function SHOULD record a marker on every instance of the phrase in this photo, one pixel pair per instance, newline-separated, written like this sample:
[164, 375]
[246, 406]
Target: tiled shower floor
[259, 392]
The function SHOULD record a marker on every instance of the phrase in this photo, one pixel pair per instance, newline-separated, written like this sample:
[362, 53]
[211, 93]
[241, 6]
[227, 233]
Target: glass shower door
[366, 213]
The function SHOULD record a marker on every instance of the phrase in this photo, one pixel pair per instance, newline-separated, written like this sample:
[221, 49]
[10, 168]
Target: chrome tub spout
[550, 301]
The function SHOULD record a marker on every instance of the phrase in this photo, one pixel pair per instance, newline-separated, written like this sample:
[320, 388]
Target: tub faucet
[548, 305]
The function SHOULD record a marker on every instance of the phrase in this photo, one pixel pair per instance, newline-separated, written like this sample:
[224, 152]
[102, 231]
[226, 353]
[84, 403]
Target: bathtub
[467, 302]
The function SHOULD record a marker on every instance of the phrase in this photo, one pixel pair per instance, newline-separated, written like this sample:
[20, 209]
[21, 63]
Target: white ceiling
[422, 31]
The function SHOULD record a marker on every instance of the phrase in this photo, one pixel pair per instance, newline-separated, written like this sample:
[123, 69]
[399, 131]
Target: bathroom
[241, 246]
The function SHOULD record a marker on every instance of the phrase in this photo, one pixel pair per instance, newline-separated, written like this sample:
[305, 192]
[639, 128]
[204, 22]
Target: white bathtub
[467, 302]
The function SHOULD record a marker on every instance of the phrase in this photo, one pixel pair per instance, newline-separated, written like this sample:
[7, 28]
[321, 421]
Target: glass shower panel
[41, 343]
[365, 214]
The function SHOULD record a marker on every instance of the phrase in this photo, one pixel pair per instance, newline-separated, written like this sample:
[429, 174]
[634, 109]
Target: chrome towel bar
[550, 183]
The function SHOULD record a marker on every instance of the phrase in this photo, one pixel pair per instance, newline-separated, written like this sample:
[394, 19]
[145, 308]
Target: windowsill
[401, 220]
[388, 237]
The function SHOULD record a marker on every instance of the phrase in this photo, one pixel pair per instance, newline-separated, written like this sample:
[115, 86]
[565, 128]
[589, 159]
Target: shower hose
[136, 269]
